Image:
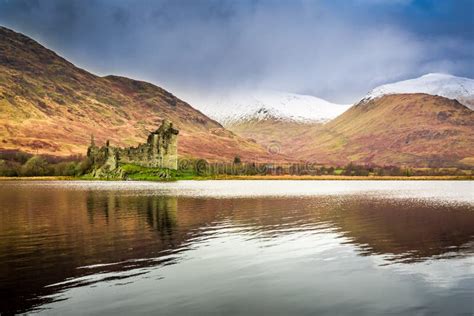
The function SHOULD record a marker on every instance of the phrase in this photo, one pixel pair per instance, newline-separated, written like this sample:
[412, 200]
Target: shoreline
[266, 177]
[338, 178]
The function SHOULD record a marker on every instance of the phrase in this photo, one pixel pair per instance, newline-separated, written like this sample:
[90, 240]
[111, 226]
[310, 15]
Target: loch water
[237, 247]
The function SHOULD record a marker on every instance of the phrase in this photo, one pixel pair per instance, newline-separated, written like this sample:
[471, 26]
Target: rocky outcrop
[160, 151]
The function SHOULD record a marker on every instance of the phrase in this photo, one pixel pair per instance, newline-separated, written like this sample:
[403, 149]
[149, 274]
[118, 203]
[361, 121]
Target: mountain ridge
[350, 137]
[248, 105]
[445, 85]
[49, 106]
[396, 129]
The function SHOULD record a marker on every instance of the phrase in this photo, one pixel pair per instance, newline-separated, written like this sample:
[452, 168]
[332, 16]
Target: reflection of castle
[160, 212]
[160, 151]
[162, 215]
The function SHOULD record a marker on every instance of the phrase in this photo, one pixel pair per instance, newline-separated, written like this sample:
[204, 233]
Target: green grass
[135, 172]
[140, 173]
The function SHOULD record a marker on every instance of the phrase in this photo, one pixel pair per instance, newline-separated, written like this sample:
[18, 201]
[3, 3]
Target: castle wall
[160, 151]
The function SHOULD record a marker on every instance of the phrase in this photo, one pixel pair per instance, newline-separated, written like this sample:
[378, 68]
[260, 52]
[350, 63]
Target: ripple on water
[202, 247]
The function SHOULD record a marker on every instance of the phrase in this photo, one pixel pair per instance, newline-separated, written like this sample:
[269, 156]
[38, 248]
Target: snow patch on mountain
[241, 106]
[444, 85]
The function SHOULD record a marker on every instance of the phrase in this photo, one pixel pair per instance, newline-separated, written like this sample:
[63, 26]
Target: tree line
[237, 167]
[16, 164]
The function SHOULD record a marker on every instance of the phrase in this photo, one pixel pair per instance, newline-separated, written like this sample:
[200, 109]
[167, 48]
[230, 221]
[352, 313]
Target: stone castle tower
[160, 151]
[162, 146]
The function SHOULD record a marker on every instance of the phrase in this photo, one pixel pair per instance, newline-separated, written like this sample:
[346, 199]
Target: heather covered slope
[399, 129]
[49, 106]
[279, 136]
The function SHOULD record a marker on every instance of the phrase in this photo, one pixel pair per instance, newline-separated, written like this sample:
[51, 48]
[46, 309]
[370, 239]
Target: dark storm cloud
[334, 49]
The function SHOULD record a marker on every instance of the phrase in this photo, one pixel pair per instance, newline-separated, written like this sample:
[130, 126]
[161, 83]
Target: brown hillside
[404, 129]
[276, 135]
[49, 106]
[409, 129]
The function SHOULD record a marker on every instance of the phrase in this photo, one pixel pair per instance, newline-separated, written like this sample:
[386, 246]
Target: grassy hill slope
[49, 106]
[404, 129]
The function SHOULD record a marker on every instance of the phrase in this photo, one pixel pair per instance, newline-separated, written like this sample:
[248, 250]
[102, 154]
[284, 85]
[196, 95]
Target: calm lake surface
[237, 247]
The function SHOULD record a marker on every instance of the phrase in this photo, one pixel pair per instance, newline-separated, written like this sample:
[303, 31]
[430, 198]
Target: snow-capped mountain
[444, 85]
[260, 105]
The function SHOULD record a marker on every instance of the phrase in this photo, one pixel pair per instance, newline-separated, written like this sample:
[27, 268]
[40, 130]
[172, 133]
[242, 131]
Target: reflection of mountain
[405, 230]
[49, 234]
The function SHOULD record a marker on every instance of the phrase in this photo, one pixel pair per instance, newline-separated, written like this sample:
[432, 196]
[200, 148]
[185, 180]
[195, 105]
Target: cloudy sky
[334, 49]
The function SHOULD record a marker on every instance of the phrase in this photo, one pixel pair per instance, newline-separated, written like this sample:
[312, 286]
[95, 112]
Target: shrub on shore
[21, 164]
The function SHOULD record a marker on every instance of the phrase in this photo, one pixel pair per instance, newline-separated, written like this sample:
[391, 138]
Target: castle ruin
[160, 151]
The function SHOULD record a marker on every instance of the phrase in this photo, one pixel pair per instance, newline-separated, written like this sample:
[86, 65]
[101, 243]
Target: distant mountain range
[396, 129]
[49, 106]
[240, 106]
[444, 85]
[247, 105]
[427, 121]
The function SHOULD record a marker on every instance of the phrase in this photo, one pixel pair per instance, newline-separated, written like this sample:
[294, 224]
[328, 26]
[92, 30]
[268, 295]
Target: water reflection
[52, 240]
